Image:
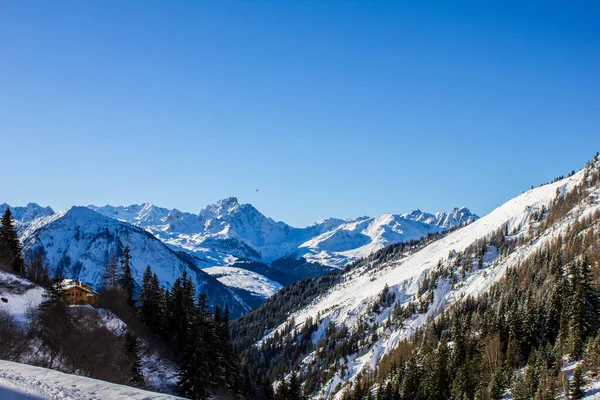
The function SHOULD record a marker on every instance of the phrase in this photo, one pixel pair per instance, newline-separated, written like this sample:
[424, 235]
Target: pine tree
[145, 298]
[577, 391]
[295, 391]
[289, 389]
[411, 381]
[282, 391]
[157, 312]
[126, 281]
[11, 257]
[193, 378]
[585, 307]
[195, 373]
[131, 345]
[437, 378]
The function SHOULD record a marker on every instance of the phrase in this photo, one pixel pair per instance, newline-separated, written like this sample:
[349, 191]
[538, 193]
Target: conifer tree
[411, 381]
[145, 298]
[131, 345]
[11, 257]
[585, 307]
[577, 391]
[294, 389]
[193, 378]
[126, 281]
[289, 389]
[282, 391]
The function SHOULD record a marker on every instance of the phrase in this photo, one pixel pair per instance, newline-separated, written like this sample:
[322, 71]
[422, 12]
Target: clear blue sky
[329, 108]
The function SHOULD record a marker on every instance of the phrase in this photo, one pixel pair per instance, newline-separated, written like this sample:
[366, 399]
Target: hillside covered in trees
[508, 304]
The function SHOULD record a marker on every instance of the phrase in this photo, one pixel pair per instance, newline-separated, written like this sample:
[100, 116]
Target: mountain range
[235, 253]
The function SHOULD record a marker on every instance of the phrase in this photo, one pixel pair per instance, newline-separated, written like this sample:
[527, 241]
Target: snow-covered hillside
[79, 243]
[349, 301]
[19, 295]
[21, 381]
[258, 287]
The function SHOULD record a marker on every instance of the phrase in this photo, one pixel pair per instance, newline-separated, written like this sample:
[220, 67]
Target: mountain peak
[228, 202]
[221, 208]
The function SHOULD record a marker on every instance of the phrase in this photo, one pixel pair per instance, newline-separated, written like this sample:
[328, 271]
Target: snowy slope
[360, 237]
[21, 381]
[79, 242]
[345, 302]
[250, 281]
[20, 295]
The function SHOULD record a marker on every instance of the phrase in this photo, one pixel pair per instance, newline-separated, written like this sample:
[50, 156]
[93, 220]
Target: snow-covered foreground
[21, 381]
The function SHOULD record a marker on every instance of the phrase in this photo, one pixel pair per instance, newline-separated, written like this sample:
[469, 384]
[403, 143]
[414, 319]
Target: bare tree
[110, 276]
[13, 338]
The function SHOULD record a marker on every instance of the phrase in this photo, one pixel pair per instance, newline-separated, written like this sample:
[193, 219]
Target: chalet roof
[67, 284]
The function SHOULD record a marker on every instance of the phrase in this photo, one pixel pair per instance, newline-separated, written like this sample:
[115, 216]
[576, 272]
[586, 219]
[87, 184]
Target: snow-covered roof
[67, 284]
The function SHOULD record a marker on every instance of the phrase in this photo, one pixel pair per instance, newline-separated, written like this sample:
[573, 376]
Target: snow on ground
[592, 391]
[20, 295]
[239, 278]
[21, 381]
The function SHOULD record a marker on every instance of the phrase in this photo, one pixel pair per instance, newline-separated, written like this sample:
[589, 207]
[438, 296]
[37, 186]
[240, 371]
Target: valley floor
[21, 381]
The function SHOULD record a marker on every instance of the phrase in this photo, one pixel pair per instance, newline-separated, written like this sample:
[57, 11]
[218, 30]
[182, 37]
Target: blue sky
[329, 108]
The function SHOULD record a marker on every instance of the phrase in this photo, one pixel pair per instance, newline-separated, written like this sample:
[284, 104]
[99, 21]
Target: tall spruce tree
[585, 307]
[135, 372]
[145, 299]
[126, 281]
[11, 257]
[577, 390]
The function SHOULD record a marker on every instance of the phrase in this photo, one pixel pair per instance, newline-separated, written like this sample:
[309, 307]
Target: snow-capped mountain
[227, 230]
[349, 301]
[79, 242]
[28, 213]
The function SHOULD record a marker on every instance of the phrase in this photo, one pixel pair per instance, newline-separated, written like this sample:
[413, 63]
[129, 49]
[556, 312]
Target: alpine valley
[236, 255]
[414, 306]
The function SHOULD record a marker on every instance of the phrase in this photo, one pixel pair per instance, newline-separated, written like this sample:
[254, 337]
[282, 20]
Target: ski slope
[21, 381]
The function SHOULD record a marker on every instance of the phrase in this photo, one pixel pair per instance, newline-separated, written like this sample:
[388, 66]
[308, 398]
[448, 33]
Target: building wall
[79, 296]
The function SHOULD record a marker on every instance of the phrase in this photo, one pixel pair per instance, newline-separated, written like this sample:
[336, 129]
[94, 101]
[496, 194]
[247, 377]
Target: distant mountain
[28, 213]
[227, 230]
